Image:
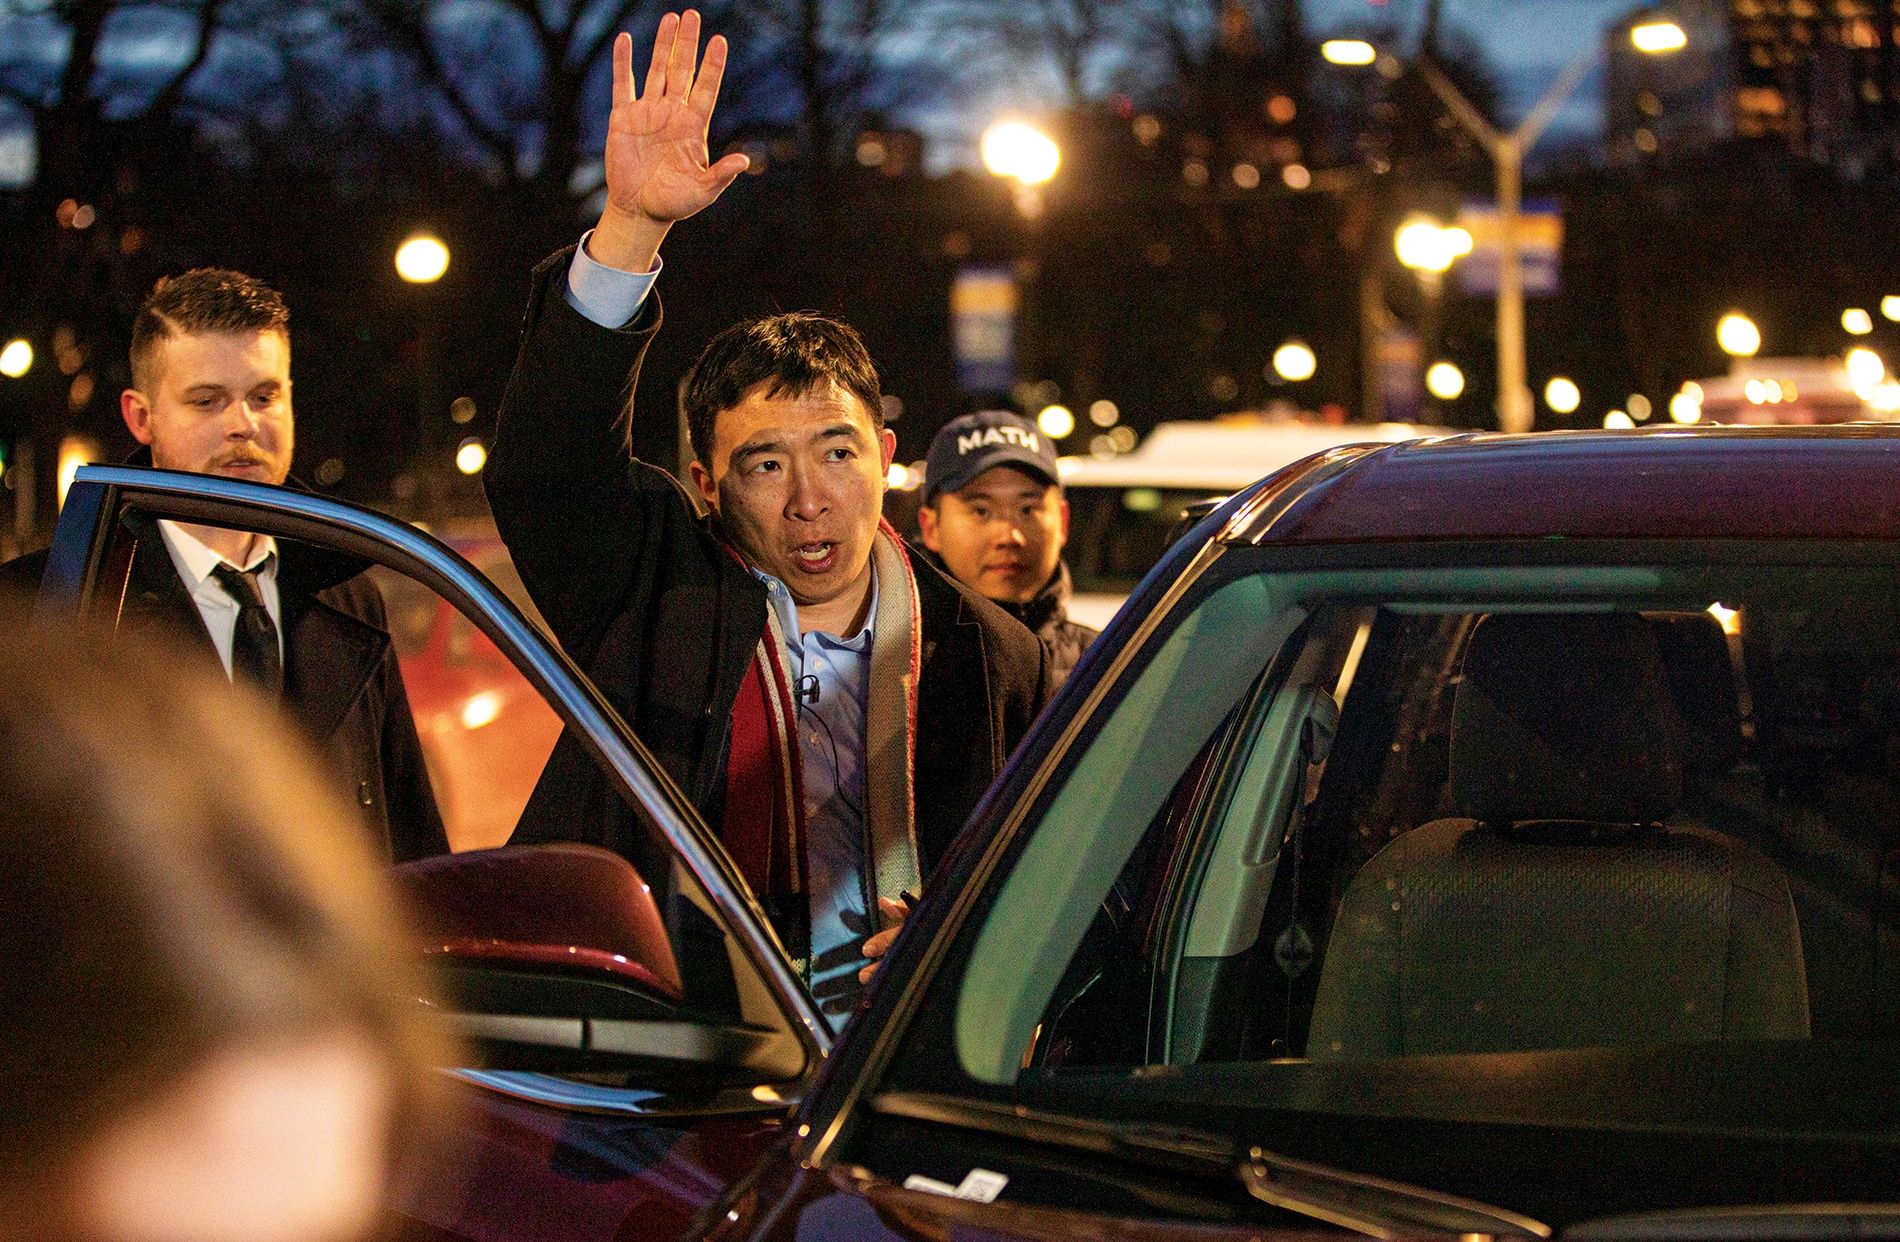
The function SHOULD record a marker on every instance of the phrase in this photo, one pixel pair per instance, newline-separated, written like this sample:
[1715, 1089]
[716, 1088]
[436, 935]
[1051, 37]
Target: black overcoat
[342, 683]
[664, 619]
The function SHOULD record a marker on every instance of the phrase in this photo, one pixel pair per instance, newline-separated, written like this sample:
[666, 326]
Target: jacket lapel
[330, 657]
[157, 600]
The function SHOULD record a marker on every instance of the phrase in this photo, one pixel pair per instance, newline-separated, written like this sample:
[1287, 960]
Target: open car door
[635, 1039]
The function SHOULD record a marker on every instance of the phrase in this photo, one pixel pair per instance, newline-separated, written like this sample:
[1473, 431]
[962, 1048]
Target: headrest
[1701, 678]
[1565, 717]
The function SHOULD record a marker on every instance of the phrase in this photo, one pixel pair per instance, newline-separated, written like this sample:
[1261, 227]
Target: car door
[601, 1099]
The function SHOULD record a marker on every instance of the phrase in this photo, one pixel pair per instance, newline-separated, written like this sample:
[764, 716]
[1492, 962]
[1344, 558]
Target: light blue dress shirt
[830, 728]
[830, 724]
[606, 295]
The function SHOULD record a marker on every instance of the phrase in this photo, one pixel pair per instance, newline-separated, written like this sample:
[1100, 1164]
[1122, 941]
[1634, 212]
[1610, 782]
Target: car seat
[1560, 912]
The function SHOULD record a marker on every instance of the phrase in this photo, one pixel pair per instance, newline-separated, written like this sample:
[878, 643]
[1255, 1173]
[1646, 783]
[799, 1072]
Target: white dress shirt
[195, 562]
[606, 295]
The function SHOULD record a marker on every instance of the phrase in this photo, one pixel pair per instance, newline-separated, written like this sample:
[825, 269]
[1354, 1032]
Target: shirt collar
[781, 598]
[200, 560]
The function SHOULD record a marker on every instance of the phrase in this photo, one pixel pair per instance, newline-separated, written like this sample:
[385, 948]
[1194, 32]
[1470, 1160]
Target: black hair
[794, 353]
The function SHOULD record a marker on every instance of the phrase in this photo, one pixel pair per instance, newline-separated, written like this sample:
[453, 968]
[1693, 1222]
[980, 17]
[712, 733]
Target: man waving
[832, 705]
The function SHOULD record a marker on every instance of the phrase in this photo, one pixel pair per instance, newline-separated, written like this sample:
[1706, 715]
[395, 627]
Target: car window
[1470, 811]
[465, 701]
[1117, 534]
[485, 731]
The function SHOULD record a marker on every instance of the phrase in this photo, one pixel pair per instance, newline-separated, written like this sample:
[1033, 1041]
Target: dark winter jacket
[666, 621]
[1047, 616]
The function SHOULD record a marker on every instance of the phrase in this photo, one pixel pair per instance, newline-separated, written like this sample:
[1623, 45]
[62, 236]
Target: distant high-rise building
[1821, 76]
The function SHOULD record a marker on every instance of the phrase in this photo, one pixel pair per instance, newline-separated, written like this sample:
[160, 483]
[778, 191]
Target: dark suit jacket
[341, 680]
[664, 619]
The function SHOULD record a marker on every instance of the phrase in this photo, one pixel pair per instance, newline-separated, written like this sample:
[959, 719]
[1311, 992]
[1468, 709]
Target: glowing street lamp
[1562, 395]
[470, 456]
[16, 359]
[422, 259]
[1658, 36]
[1857, 321]
[1015, 149]
[1056, 421]
[1348, 52]
[1295, 361]
[1738, 335]
[1427, 246]
[1444, 381]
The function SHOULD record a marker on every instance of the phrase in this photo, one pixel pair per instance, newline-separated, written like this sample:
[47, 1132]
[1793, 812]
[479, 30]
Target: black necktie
[254, 652]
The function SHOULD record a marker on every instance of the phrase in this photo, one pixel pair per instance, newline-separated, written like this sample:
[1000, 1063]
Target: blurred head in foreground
[210, 1026]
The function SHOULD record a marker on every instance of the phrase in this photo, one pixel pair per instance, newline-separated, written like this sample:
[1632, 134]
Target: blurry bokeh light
[1348, 52]
[1019, 150]
[1857, 321]
[422, 259]
[1562, 395]
[1056, 421]
[1864, 370]
[1617, 420]
[1738, 335]
[1444, 381]
[1295, 361]
[470, 456]
[16, 359]
[1662, 36]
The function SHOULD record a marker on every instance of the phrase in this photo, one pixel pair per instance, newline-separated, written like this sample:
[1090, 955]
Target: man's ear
[887, 448]
[137, 413]
[703, 480]
[1065, 521]
[927, 528]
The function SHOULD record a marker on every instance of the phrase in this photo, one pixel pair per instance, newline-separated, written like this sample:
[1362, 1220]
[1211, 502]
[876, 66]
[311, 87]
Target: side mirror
[555, 958]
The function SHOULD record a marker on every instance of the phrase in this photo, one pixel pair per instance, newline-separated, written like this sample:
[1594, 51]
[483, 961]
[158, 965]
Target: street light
[1295, 361]
[1444, 381]
[1348, 52]
[1056, 421]
[1738, 335]
[422, 259]
[16, 359]
[1015, 149]
[470, 456]
[1427, 246]
[1658, 36]
[1857, 321]
[1507, 152]
[1562, 395]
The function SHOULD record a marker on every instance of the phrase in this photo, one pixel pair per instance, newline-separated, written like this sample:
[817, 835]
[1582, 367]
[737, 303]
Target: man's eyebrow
[836, 430]
[754, 448]
[204, 388]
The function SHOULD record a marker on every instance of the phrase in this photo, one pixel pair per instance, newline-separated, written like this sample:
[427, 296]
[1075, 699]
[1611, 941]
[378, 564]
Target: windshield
[1605, 852]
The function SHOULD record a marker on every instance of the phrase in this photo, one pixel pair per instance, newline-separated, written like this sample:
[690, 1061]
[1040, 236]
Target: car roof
[1223, 456]
[1832, 482]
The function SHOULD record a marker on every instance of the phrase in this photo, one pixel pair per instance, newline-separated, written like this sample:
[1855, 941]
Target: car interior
[1434, 828]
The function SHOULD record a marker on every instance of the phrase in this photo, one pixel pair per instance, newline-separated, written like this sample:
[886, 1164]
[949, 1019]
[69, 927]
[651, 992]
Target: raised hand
[656, 158]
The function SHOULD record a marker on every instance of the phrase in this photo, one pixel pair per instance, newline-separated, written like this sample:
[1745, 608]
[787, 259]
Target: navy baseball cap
[969, 445]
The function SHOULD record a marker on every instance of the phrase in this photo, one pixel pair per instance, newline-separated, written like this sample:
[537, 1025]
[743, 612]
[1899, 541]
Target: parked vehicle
[1122, 510]
[1490, 835]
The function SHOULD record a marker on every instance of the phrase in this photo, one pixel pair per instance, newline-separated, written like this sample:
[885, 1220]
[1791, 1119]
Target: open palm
[656, 157]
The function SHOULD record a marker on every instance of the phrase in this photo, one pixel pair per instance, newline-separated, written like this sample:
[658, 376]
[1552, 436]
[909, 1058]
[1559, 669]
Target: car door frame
[79, 580]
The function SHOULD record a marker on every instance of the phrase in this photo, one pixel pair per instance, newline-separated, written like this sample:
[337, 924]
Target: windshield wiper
[1357, 1201]
[1372, 1205]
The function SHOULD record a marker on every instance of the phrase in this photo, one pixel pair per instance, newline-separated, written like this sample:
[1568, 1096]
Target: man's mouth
[817, 557]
